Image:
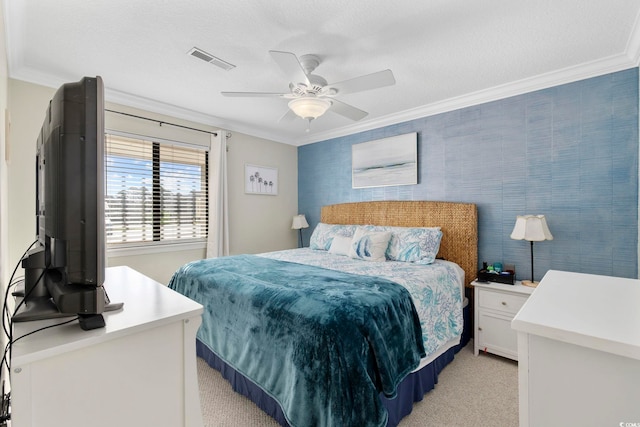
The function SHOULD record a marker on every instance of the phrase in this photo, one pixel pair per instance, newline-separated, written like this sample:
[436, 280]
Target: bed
[315, 337]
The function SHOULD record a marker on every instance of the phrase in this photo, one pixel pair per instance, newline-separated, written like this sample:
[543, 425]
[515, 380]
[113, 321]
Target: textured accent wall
[569, 152]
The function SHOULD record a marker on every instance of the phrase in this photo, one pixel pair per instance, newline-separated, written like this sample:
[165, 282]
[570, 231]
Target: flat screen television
[64, 272]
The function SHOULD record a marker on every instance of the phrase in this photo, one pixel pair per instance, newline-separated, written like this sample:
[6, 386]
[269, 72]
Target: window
[156, 192]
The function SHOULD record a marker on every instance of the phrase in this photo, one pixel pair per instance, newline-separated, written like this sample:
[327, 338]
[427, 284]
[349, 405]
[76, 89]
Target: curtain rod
[160, 122]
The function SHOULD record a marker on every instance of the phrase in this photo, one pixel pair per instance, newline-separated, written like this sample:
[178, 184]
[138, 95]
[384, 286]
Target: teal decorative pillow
[369, 245]
[419, 245]
[412, 244]
[323, 235]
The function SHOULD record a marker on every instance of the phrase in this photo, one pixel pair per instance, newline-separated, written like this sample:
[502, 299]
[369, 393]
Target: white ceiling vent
[201, 54]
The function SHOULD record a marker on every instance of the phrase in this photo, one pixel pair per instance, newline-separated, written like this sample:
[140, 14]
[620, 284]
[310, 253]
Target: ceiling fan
[310, 95]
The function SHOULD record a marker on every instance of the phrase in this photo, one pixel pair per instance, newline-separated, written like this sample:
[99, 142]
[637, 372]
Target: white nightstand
[495, 306]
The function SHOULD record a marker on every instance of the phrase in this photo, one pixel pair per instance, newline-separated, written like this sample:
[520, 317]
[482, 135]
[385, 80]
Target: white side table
[496, 305]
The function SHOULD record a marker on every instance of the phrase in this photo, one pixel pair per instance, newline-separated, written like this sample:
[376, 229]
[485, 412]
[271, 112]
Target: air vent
[201, 54]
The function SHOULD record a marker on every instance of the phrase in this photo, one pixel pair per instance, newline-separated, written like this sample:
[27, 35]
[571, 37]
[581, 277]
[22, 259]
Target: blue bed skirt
[411, 389]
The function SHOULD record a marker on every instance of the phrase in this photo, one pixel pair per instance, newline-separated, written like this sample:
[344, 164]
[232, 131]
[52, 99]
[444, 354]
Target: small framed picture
[260, 180]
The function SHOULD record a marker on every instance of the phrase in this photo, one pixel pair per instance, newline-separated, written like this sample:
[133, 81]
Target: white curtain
[218, 240]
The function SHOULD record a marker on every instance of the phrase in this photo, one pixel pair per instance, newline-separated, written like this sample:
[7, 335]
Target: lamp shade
[532, 228]
[299, 221]
[309, 107]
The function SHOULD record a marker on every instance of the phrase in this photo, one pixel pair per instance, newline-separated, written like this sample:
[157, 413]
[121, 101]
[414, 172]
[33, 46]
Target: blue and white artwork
[385, 162]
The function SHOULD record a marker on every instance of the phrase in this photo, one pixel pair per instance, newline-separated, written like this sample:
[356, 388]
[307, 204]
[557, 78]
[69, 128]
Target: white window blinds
[156, 192]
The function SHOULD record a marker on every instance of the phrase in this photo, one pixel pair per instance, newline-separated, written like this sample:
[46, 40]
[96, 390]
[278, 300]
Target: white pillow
[340, 245]
[369, 245]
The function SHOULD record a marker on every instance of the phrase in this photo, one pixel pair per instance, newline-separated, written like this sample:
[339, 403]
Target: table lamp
[299, 222]
[534, 229]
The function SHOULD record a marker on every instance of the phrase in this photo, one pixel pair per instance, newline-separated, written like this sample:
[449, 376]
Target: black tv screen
[71, 187]
[64, 273]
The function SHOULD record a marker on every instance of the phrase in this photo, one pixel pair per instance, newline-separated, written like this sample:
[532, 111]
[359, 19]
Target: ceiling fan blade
[362, 83]
[290, 64]
[347, 110]
[255, 94]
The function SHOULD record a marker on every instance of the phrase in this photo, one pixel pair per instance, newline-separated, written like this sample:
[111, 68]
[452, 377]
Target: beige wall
[5, 271]
[254, 219]
[27, 105]
[257, 223]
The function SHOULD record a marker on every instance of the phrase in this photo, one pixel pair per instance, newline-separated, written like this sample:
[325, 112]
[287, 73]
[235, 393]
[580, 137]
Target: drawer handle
[504, 303]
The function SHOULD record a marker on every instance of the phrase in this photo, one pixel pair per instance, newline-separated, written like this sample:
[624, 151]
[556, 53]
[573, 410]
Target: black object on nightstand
[504, 277]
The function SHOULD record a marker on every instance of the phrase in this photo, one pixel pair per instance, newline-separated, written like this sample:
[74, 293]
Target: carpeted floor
[471, 391]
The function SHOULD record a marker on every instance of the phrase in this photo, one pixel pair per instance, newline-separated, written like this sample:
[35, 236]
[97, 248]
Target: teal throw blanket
[323, 343]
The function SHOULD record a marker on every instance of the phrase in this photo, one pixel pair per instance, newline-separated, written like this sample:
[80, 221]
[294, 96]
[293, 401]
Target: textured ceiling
[444, 54]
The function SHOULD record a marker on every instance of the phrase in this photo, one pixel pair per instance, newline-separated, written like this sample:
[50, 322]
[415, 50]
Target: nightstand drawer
[508, 303]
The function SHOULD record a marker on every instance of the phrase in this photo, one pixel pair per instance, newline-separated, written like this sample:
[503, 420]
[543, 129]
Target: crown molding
[542, 81]
[147, 104]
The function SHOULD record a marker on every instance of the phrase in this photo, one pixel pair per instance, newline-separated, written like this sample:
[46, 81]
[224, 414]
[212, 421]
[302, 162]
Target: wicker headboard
[458, 222]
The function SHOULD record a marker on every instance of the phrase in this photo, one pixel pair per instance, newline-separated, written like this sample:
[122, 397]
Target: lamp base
[530, 283]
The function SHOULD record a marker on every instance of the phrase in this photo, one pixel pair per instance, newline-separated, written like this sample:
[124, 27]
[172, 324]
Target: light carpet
[471, 391]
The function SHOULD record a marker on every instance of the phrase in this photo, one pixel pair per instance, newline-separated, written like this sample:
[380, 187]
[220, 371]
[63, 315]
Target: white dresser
[139, 370]
[579, 352]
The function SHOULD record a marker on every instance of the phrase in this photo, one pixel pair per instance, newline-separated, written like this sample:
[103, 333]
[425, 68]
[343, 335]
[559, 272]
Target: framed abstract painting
[385, 162]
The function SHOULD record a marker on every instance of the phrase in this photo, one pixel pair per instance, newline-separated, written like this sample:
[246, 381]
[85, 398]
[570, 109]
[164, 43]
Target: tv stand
[138, 370]
[38, 309]
[42, 308]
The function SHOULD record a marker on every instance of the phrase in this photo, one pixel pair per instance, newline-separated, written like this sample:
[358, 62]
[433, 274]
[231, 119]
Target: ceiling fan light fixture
[309, 107]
